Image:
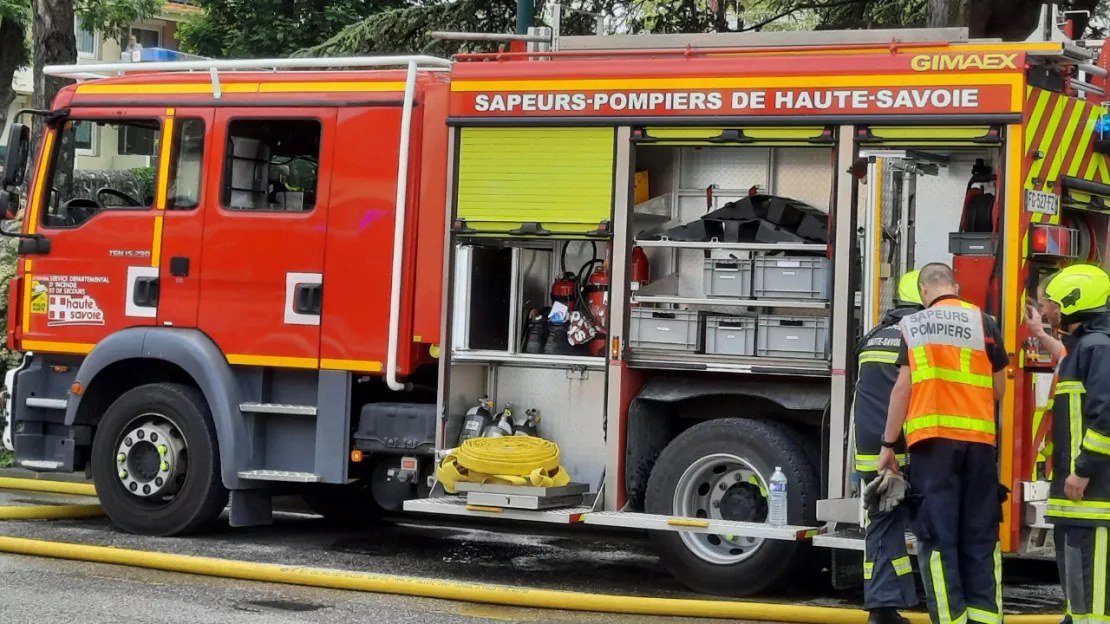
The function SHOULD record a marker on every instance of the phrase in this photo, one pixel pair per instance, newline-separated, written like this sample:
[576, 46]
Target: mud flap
[847, 569]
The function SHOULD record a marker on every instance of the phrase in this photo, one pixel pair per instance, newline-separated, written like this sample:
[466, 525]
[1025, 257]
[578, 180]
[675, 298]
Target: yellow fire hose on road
[49, 512]
[416, 586]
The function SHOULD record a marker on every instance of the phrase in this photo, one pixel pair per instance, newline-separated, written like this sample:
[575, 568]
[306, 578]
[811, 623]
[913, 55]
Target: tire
[199, 496]
[762, 567]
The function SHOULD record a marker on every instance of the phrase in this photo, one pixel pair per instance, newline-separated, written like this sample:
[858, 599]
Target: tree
[55, 43]
[405, 30]
[15, 16]
[112, 18]
[269, 28]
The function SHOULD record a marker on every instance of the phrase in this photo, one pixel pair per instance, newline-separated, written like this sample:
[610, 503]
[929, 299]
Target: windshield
[99, 165]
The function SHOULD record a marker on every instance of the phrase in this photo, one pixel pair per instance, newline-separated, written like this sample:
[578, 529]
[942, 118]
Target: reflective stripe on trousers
[1086, 561]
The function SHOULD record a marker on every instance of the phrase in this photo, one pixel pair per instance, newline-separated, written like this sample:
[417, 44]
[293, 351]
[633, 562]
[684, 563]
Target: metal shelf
[529, 359]
[673, 244]
[730, 301]
[677, 360]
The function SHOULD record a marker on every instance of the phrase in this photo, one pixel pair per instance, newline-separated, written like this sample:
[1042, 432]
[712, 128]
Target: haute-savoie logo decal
[65, 300]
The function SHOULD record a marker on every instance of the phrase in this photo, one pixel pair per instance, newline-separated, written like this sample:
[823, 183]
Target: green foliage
[271, 28]
[7, 458]
[8, 256]
[113, 17]
[18, 11]
[144, 180]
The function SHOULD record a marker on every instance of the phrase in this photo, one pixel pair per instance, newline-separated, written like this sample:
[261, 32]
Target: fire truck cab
[661, 251]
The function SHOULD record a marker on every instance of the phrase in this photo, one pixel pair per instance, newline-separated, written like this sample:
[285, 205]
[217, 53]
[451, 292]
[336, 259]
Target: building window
[84, 138]
[87, 42]
[136, 140]
[147, 38]
[272, 164]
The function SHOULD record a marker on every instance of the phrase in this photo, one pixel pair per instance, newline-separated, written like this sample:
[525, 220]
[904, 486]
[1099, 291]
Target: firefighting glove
[885, 492]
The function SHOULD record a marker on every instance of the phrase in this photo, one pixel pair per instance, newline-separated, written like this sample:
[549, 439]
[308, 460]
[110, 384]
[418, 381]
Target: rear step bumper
[457, 506]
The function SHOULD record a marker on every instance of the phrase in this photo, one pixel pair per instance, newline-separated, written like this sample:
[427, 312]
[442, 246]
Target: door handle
[308, 298]
[146, 290]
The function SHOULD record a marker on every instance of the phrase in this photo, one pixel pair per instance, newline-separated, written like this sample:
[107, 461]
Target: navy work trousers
[955, 516]
[887, 572]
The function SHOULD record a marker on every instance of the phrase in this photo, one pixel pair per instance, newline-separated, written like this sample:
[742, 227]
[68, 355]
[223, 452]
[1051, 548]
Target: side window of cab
[99, 165]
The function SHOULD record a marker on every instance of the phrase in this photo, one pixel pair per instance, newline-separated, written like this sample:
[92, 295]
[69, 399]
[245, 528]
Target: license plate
[1041, 202]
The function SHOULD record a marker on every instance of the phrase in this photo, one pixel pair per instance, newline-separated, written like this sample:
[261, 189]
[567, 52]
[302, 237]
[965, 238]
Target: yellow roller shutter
[524, 180]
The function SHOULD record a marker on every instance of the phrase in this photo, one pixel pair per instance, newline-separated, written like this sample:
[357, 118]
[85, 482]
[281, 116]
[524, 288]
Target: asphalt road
[46, 591]
[564, 558]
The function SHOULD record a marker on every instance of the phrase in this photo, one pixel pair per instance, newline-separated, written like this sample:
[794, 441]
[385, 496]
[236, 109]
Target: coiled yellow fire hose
[508, 460]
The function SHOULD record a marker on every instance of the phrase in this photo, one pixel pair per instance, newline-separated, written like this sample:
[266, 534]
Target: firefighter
[1079, 497]
[1037, 313]
[888, 583]
[952, 371]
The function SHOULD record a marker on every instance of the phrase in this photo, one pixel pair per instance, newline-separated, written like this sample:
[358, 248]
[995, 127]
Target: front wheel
[720, 469]
[156, 463]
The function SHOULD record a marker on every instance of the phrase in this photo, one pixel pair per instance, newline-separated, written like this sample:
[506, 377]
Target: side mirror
[9, 205]
[19, 150]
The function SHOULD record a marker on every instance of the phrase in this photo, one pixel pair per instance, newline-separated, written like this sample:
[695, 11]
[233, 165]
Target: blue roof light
[1102, 127]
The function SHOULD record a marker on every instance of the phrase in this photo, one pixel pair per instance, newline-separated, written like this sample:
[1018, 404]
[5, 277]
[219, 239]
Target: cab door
[265, 217]
[175, 263]
[94, 200]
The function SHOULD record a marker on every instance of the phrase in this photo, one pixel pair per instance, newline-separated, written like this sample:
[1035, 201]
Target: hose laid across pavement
[49, 512]
[457, 590]
[404, 585]
[54, 487]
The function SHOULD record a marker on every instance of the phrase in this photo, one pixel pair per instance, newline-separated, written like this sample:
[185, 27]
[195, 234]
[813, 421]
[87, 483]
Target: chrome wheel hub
[151, 458]
[721, 487]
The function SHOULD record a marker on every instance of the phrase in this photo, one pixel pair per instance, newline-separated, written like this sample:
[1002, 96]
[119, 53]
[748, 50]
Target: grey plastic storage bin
[728, 277]
[798, 337]
[973, 244]
[672, 330]
[790, 277]
[730, 335]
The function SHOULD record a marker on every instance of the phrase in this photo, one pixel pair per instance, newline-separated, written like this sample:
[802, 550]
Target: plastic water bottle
[776, 498]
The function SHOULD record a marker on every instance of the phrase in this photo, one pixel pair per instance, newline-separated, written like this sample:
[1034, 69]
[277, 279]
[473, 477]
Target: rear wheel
[156, 463]
[720, 469]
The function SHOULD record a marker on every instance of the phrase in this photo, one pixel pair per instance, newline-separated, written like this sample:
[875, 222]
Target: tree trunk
[54, 44]
[11, 37]
[945, 13]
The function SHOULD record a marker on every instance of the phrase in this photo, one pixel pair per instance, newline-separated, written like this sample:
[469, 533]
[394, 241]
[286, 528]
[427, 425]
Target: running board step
[457, 506]
[58, 404]
[289, 476]
[853, 539]
[278, 408]
[652, 522]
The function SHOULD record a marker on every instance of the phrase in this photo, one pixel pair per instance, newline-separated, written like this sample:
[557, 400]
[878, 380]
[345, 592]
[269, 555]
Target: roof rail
[95, 71]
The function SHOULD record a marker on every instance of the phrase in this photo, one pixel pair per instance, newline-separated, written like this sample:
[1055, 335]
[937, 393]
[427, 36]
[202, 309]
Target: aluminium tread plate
[455, 506]
[655, 522]
[854, 540]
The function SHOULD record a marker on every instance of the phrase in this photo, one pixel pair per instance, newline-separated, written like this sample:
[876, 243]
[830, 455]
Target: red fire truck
[239, 279]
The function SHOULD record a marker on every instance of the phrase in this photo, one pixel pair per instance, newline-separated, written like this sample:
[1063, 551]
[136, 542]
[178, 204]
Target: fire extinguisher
[596, 294]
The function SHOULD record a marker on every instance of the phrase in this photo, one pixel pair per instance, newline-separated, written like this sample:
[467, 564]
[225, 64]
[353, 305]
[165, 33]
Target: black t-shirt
[996, 349]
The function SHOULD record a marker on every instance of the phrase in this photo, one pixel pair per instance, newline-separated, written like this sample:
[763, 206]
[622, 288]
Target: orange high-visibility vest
[953, 383]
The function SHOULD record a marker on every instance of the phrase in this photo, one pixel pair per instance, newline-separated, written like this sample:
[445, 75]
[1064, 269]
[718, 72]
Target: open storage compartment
[741, 246]
[530, 238]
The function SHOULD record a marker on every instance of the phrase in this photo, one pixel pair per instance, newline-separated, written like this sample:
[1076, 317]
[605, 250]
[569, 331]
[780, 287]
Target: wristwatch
[885, 444]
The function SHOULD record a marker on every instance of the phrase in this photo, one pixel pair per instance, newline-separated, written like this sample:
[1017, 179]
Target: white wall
[940, 203]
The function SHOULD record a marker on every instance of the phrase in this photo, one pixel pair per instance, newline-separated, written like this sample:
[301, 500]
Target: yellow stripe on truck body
[553, 176]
